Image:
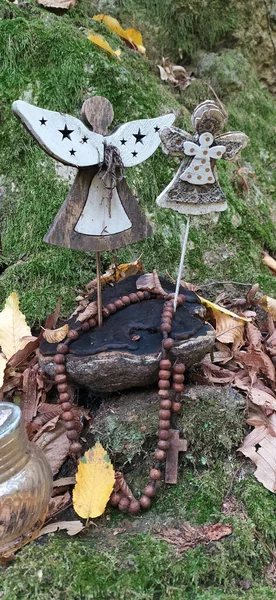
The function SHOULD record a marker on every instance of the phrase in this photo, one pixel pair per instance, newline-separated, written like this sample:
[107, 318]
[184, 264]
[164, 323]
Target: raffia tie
[111, 171]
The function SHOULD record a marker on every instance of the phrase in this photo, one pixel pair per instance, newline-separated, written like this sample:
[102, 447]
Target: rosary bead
[164, 374]
[145, 502]
[164, 394]
[150, 490]
[68, 416]
[163, 434]
[123, 504]
[164, 414]
[155, 474]
[125, 300]
[176, 407]
[64, 397]
[62, 349]
[72, 435]
[66, 406]
[85, 326]
[119, 304]
[76, 448]
[60, 378]
[147, 295]
[167, 320]
[178, 378]
[70, 425]
[164, 424]
[159, 455]
[112, 308]
[62, 387]
[59, 368]
[165, 363]
[168, 343]
[180, 301]
[59, 359]
[165, 404]
[178, 387]
[164, 384]
[72, 334]
[92, 323]
[133, 297]
[115, 498]
[134, 507]
[179, 368]
[106, 312]
[167, 314]
[163, 444]
[166, 328]
[140, 295]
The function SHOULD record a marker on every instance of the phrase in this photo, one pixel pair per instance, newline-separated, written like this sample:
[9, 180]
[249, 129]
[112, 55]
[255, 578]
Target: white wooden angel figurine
[100, 211]
[195, 189]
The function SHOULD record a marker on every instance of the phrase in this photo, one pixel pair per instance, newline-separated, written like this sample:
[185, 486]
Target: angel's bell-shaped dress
[199, 172]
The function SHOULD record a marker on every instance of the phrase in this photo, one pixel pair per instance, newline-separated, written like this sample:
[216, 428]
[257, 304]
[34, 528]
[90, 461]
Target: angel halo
[195, 188]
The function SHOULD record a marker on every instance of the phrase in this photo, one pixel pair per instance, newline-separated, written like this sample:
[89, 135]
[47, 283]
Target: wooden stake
[176, 446]
[185, 240]
[99, 289]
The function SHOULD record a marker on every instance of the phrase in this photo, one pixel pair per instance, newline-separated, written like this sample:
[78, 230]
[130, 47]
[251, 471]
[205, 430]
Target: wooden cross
[176, 445]
[100, 211]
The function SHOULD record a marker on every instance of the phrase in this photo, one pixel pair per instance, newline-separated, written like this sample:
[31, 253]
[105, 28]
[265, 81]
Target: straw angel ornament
[195, 189]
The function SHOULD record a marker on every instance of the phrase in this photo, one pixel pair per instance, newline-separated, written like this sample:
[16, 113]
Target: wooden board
[62, 231]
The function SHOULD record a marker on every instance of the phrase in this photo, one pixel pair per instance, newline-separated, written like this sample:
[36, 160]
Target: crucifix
[100, 211]
[176, 445]
[195, 188]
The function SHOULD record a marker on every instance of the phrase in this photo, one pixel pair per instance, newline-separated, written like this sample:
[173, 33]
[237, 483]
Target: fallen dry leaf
[54, 336]
[51, 320]
[63, 4]
[256, 360]
[269, 262]
[269, 304]
[263, 399]
[260, 447]
[57, 505]
[115, 274]
[95, 479]
[90, 311]
[3, 364]
[254, 335]
[13, 327]
[132, 37]
[189, 537]
[216, 374]
[150, 282]
[229, 325]
[52, 439]
[64, 481]
[102, 43]
[72, 527]
[31, 394]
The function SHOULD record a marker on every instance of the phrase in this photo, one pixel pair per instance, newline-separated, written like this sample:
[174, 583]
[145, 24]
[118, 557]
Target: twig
[225, 283]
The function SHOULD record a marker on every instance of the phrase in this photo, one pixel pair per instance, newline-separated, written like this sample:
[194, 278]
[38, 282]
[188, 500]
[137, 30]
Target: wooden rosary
[122, 495]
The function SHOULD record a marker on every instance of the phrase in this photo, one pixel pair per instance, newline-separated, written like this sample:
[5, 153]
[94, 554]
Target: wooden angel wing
[173, 140]
[234, 142]
[62, 136]
[138, 140]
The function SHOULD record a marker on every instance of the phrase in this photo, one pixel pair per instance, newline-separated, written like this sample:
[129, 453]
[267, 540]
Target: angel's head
[209, 117]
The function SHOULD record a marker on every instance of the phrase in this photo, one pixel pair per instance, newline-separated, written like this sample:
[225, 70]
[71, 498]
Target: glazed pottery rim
[12, 420]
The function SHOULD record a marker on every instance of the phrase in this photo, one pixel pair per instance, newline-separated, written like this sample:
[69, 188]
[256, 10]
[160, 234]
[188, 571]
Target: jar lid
[10, 416]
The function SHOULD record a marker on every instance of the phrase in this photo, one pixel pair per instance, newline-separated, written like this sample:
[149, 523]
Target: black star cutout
[139, 136]
[156, 129]
[43, 121]
[123, 142]
[66, 133]
[72, 152]
[134, 153]
[84, 139]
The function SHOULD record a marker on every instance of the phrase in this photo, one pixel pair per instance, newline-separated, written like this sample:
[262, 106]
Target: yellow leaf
[111, 23]
[54, 336]
[3, 362]
[135, 36]
[269, 304]
[102, 43]
[95, 480]
[229, 326]
[13, 327]
[131, 35]
[118, 273]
